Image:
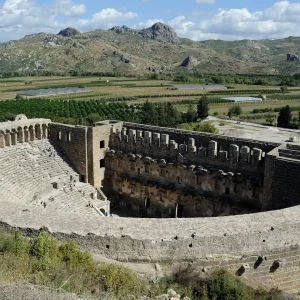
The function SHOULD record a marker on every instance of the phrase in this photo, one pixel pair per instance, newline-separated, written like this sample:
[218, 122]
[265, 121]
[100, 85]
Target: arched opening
[38, 131]
[7, 138]
[147, 202]
[20, 135]
[44, 131]
[31, 133]
[58, 135]
[68, 136]
[227, 191]
[26, 134]
[179, 210]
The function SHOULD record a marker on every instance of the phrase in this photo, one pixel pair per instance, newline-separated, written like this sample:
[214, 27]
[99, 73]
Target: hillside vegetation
[153, 50]
[43, 261]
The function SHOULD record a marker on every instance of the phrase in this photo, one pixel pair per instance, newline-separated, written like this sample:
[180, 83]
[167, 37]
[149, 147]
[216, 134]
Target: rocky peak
[161, 32]
[123, 29]
[190, 62]
[68, 32]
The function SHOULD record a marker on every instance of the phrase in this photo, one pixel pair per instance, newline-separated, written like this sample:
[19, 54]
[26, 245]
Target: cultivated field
[137, 91]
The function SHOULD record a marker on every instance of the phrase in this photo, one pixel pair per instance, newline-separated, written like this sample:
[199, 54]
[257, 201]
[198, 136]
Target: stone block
[245, 154]
[124, 131]
[156, 139]
[182, 148]
[191, 142]
[256, 156]
[148, 137]
[234, 153]
[173, 145]
[202, 151]
[212, 149]
[223, 155]
[132, 135]
[165, 138]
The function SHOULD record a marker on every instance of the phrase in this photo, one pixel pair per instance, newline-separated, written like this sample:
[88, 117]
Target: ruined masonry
[212, 200]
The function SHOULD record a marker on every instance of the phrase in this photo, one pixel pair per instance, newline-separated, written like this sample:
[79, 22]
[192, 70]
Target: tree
[284, 89]
[235, 110]
[191, 114]
[202, 108]
[285, 117]
[270, 118]
[148, 114]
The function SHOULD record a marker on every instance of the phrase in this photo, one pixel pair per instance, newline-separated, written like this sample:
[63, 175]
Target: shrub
[72, 256]
[206, 127]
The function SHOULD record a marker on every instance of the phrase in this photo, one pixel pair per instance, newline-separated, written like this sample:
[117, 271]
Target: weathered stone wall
[97, 145]
[72, 140]
[228, 242]
[286, 185]
[230, 154]
[262, 248]
[161, 189]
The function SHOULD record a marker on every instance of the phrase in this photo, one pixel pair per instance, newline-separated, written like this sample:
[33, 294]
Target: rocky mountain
[156, 49]
[158, 31]
[69, 32]
[190, 62]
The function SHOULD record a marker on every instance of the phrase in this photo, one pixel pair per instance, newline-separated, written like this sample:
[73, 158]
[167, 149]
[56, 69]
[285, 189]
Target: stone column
[245, 154]
[20, 136]
[31, 134]
[132, 136]
[234, 153]
[2, 141]
[191, 146]
[45, 132]
[7, 139]
[148, 137]
[26, 135]
[38, 132]
[156, 139]
[13, 138]
[257, 156]
[212, 149]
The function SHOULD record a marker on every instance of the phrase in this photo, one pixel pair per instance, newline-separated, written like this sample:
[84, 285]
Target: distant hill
[152, 50]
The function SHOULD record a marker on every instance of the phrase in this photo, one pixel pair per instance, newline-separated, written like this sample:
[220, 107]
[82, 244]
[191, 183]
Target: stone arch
[2, 139]
[38, 131]
[7, 138]
[26, 134]
[45, 131]
[31, 133]
[20, 135]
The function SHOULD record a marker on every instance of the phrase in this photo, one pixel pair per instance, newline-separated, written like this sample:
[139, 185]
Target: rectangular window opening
[147, 168]
[102, 144]
[102, 163]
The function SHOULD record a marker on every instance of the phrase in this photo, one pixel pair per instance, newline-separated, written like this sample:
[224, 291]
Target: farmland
[105, 91]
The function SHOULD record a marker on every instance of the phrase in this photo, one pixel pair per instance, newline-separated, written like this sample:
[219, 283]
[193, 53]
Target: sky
[194, 19]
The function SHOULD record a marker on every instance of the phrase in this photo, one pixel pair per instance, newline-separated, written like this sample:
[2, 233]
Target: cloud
[21, 17]
[280, 20]
[66, 8]
[147, 23]
[105, 19]
[205, 1]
